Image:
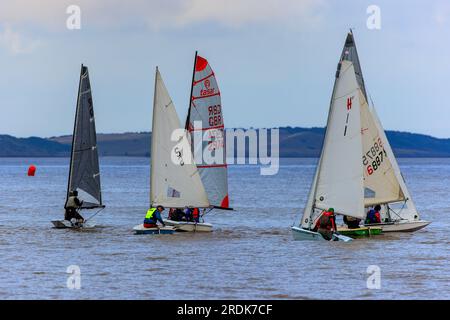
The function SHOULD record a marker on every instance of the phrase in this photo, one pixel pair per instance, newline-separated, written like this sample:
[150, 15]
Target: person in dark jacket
[351, 222]
[72, 206]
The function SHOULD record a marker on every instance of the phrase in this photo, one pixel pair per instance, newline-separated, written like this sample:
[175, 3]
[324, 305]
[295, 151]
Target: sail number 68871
[373, 158]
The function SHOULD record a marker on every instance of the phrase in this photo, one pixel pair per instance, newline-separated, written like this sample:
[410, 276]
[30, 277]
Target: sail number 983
[373, 158]
[215, 115]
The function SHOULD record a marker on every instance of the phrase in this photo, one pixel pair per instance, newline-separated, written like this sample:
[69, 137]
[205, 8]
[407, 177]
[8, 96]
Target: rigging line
[206, 211]
[397, 214]
[94, 214]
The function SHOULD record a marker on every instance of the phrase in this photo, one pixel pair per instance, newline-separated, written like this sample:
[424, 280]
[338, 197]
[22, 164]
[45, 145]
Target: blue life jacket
[371, 216]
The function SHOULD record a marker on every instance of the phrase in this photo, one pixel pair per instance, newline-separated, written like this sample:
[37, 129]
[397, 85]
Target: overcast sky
[274, 60]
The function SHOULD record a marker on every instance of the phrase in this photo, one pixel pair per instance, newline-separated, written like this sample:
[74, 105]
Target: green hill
[294, 142]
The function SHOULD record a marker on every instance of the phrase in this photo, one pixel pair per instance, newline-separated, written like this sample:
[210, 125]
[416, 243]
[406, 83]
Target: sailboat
[175, 180]
[205, 125]
[357, 168]
[84, 170]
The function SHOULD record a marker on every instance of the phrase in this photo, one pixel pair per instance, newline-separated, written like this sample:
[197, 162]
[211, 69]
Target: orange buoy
[31, 171]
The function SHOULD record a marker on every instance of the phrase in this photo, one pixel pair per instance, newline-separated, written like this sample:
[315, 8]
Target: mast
[190, 97]
[349, 52]
[73, 136]
[152, 142]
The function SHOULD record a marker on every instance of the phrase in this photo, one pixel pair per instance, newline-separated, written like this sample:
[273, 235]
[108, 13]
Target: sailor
[196, 215]
[176, 214]
[326, 224]
[352, 222]
[373, 216]
[171, 215]
[72, 205]
[153, 216]
[188, 214]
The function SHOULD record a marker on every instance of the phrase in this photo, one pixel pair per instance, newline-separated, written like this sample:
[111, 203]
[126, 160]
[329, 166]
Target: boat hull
[360, 232]
[401, 226]
[65, 224]
[185, 226]
[303, 234]
[140, 229]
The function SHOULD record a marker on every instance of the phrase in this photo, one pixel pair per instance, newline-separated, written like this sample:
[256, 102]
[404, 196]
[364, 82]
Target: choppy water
[250, 255]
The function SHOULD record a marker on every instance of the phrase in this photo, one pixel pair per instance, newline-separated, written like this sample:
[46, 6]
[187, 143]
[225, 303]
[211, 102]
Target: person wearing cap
[153, 216]
[326, 224]
[72, 206]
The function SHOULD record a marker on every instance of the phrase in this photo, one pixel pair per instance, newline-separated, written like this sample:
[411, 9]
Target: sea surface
[250, 255]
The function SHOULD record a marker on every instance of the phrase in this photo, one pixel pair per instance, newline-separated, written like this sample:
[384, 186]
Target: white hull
[65, 224]
[140, 229]
[401, 226]
[189, 226]
[303, 234]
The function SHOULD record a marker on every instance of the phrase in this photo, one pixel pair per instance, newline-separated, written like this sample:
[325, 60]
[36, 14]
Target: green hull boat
[360, 232]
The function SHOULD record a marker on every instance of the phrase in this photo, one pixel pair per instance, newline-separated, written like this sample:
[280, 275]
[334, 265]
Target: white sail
[380, 181]
[409, 211]
[206, 109]
[175, 181]
[340, 178]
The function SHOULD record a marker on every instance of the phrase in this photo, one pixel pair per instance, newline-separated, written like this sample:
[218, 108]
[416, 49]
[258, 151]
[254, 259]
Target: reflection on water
[250, 255]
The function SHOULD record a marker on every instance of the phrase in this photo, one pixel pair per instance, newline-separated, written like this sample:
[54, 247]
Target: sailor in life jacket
[326, 224]
[72, 205]
[196, 215]
[373, 216]
[153, 216]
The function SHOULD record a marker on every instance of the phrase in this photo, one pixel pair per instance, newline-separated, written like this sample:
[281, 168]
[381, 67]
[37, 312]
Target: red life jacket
[195, 213]
[326, 221]
[377, 217]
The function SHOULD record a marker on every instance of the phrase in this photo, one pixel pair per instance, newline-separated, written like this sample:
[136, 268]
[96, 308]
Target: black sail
[84, 172]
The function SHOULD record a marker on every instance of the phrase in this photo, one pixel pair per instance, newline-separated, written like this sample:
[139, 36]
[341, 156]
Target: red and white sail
[206, 109]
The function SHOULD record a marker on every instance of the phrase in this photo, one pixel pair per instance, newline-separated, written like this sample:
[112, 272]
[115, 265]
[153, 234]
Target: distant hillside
[294, 142]
[302, 142]
[31, 147]
[117, 144]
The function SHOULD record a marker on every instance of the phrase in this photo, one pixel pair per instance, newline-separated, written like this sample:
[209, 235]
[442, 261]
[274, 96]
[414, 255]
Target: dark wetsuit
[73, 203]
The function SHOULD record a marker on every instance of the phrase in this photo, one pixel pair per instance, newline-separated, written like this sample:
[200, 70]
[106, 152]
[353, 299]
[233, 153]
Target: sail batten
[84, 172]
